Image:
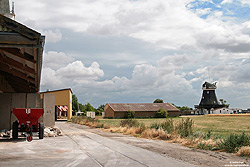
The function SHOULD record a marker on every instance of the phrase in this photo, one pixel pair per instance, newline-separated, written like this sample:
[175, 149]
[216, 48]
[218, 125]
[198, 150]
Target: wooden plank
[17, 52]
[13, 63]
[15, 72]
[17, 39]
[18, 84]
[19, 46]
[35, 68]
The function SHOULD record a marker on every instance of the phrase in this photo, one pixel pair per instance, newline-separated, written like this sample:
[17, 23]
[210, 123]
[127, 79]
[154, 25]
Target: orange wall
[63, 97]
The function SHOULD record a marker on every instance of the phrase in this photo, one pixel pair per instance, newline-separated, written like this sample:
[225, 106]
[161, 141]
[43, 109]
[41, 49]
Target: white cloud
[151, 21]
[226, 1]
[202, 12]
[77, 71]
[184, 51]
[247, 2]
[55, 60]
[61, 70]
[52, 36]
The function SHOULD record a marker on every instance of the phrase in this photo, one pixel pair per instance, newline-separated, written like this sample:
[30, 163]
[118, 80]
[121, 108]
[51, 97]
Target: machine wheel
[15, 130]
[41, 130]
[29, 137]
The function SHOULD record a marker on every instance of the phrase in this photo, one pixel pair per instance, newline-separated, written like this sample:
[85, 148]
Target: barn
[142, 110]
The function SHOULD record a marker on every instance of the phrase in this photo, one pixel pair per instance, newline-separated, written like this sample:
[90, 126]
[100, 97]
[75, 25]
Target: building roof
[209, 86]
[142, 106]
[57, 90]
[21, 50]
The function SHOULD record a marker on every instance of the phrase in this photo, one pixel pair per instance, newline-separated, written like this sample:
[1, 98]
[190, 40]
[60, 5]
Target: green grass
[218, 125]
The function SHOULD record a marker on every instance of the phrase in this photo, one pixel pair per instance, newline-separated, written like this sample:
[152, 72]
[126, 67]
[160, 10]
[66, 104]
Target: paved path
[79, 147]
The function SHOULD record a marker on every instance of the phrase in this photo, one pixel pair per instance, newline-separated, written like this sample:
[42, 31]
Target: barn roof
[142, 106]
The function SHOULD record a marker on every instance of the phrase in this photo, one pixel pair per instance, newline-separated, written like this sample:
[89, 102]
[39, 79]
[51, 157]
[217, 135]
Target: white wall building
[225, 110]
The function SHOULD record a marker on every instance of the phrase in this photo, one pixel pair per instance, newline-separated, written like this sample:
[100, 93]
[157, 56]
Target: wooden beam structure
[21, 50]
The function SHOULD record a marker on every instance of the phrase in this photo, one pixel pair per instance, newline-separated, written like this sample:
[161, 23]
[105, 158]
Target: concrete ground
[78, 147]
[84, 146]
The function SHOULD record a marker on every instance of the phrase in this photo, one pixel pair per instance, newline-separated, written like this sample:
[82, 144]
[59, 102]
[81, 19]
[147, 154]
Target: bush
[141, 128]
[130, 114]
[185, 127]
[161, 113]
[167, 125]
[129, 123]
[233, 142]
[155, 126]
[205, 146]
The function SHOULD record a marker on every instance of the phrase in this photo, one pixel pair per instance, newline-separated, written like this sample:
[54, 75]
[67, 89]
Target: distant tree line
[85, 107]
[181, 108]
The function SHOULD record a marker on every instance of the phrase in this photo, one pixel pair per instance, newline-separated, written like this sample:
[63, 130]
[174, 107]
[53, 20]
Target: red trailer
[27, 122]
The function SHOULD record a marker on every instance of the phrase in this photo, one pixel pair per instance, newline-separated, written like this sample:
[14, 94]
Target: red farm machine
[28, 121]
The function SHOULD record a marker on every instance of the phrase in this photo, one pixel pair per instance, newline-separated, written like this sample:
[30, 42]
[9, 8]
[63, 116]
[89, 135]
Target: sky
[134, 51]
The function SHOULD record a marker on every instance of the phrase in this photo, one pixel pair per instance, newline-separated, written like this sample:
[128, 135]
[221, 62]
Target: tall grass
[167, 125]
[129, 123]
[185, 127]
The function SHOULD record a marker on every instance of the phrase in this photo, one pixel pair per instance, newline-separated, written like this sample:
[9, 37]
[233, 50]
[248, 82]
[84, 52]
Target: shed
[118, 110]
[21, 51]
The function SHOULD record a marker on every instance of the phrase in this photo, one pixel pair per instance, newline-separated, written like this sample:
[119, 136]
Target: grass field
[218, 125]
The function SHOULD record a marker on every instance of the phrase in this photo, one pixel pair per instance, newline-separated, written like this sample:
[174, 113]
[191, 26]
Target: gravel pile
[4, 133]
[52, 132]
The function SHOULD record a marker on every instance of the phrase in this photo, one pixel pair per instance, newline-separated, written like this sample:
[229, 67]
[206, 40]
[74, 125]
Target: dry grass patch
[155, 134]
[244, 151]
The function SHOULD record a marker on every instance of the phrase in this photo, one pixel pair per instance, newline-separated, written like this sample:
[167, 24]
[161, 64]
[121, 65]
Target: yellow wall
[63, 97]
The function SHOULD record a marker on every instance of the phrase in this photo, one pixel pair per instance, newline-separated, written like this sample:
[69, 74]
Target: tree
[130, 114]
[161, 113]
[158, 101]
[74, 103]
[183, 108]
[89, 107]
[100, 109]
[82, 107]
[223, 102]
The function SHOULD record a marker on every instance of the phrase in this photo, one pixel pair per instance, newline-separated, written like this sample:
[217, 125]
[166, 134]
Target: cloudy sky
[140, 50]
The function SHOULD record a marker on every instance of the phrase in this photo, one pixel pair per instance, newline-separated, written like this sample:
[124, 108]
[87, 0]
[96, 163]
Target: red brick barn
[118, 110]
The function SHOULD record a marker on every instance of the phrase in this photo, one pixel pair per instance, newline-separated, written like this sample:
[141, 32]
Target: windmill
[209, 100]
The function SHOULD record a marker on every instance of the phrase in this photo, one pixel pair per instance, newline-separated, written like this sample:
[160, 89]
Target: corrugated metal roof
[142, 106]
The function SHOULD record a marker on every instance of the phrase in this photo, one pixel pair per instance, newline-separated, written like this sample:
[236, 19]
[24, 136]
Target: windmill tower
[5, 9]
[209, 99]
